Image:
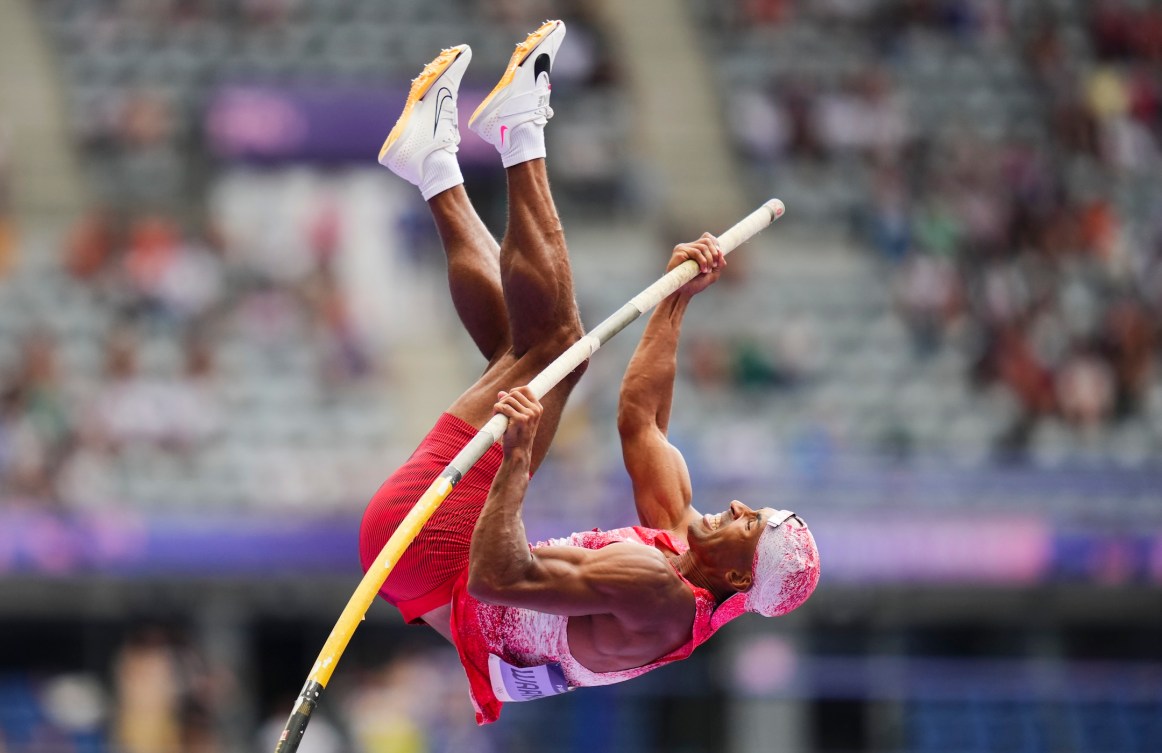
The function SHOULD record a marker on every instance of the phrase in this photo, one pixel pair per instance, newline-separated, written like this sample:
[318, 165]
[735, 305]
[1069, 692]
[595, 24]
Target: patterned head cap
[786, 566]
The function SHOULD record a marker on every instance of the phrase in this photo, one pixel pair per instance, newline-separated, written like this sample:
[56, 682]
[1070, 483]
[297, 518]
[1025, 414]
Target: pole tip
[777, 208]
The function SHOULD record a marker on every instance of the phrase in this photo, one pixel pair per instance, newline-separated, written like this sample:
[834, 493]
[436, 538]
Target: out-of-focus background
[222, 325]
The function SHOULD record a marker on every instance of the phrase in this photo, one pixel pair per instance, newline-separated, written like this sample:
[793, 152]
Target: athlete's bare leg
[526, 292]
[534, 318]
[473, 271]
[537, 284]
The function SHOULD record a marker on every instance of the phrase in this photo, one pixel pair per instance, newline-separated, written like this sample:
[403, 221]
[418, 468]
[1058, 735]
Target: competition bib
[510, 684]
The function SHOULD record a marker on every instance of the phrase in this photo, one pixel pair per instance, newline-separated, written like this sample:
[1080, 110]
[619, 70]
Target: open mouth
[713, 521]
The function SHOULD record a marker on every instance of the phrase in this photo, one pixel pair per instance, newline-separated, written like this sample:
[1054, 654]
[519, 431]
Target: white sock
[525, 142]
[441, 171]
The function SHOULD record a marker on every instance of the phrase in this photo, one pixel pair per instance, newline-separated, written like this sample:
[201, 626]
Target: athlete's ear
[739, 580]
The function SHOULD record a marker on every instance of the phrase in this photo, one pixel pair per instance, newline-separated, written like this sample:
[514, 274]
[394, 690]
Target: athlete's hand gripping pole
[492, 431]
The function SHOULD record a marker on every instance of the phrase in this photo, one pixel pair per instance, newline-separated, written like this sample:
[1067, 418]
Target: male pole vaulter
[593, 608]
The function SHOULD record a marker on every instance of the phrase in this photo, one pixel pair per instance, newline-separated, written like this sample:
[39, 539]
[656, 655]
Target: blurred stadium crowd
[164, 694]
[192, 341]
[1001, 157]
[187, 309]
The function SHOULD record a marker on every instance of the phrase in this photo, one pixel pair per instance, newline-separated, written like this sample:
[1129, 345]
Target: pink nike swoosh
[503, 128]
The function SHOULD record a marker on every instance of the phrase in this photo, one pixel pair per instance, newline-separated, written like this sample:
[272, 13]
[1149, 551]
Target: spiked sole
[522, 52]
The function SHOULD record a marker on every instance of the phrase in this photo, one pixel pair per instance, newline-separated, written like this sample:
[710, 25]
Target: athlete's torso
[500, 645]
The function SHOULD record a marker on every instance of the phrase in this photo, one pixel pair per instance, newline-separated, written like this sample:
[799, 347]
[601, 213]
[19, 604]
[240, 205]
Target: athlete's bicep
[661, 480]
[621, 579]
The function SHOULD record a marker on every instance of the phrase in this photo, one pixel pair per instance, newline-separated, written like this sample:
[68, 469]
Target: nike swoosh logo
[541, 65]
[444, 95]
[503, 128]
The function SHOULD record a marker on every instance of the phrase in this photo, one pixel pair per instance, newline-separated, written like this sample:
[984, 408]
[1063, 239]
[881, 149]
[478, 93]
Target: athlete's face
[727, 540]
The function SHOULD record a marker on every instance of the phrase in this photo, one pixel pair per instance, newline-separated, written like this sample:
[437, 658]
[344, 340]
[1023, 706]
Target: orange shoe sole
[523, 50]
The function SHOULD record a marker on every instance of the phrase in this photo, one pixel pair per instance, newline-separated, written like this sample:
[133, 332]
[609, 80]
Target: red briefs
[422, 580]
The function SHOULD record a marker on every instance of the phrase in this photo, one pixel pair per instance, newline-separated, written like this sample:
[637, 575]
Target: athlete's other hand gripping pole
[490, 433]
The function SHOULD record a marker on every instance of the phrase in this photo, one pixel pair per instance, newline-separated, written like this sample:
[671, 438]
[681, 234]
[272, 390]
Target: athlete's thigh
[475, 405]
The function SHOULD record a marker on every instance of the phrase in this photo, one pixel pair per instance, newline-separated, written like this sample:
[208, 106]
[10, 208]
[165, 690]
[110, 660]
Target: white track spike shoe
[521, 97]
[428, 125]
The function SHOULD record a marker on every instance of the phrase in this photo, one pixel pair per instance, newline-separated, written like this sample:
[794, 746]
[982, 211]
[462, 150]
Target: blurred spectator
[135, 408]
[926, 288]
[889, 227]
[866, 116]
[125, 409]
[805, 137]
[164, 696]
[150, 256]
[148, 167]
[40, 385]
[1047, 58]
[343, 357]
[1085, 390]
[936, 228]
[87, 479]
[759, 125]
[1125, 140]
[414, 703]
[35, 429]
[191, 400]
[192, 284]
[148, 695]
[1130, 339]
[1145, 96]
[1012, 361]
[392, 709]
[798, 349]
[1073, 127]
[89, 245]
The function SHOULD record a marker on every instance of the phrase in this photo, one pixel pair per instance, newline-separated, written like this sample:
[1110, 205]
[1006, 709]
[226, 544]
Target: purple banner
[1011, 550]
[270, 124]
[118, 544]
[936, 548]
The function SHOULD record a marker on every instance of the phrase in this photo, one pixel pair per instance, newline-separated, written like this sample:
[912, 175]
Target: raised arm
[631, 582]
[661, 481]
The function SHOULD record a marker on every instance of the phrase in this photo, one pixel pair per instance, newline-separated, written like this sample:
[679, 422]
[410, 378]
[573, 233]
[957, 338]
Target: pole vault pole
[492, 431]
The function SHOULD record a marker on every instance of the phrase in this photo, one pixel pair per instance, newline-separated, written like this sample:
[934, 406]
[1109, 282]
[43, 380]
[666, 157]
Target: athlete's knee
[554, 342]
[565, 334]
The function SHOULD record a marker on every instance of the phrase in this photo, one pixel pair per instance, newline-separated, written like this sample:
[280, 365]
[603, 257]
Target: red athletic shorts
[422, 579]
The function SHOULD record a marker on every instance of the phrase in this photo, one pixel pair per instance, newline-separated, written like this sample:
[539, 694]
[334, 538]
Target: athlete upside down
[595, 607]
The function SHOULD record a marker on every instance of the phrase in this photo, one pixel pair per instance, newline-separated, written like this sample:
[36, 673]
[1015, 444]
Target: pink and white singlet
[516, 654]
